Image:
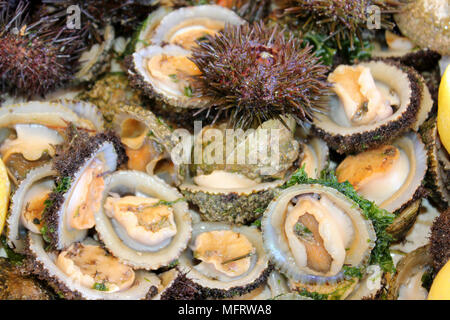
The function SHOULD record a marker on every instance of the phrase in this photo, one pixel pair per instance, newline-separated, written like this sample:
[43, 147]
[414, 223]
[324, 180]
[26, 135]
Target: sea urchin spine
[252, 73]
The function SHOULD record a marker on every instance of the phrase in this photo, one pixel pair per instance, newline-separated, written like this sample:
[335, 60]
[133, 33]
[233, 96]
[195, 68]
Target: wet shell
[278, 248]
[191, 18]
[413, 265]
[42, 177]
[404, 81]
[120, 245]
[56, 218]
[242, 205]
[42, 264]
[214, 288]
[142, 79]
[94, 61]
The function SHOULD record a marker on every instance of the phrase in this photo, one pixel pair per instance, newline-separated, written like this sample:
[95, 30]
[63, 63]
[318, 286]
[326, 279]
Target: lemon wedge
[440, 289]
[4, 194]
[443, 117]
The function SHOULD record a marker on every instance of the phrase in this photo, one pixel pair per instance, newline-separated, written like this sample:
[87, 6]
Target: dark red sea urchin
[35, 57]
[252, 73]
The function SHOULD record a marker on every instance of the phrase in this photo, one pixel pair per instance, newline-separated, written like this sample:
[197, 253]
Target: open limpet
[375, 102]
[225, 271]
[80, 182]
[27, 205]
[142, 220]
[311, 232]
[72, 274]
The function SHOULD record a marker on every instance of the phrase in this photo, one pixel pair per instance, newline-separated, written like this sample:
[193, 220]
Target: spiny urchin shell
[35, 57]
[252, 73]
[342, 19]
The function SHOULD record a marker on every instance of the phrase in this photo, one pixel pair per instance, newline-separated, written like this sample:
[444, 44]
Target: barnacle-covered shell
[227, 286]
[338, 214]
[16, 286]
[81, 166]
[269, 151]
[117, 240]
[234, 205]
[42, 264]
[412, 110]
[110, 93]
[426, 24]
[147, 140]
[438, 174]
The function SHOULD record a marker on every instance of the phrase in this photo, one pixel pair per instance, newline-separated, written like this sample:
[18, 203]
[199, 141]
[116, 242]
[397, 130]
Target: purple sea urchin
[35, 58]
[341, 19]
[252, 73]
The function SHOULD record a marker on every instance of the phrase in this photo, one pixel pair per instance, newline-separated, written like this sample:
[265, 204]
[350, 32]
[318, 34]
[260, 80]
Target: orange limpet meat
[361, 167]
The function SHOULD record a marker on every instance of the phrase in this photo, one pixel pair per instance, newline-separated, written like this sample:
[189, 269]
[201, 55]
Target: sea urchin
[252, 73]
[35, 56]
[342, 19]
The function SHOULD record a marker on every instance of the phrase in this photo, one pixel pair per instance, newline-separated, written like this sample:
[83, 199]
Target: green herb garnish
[380, 218]
[63, 185]
[188, 91]
[257, 223]
[13, 257]
[100, 286]
[173, 77]
[353, 272]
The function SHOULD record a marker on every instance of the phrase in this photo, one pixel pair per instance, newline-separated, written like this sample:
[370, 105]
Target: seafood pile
[236, 149]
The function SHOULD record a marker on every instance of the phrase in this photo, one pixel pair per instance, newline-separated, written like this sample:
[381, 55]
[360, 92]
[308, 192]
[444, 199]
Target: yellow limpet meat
[194, 29]
[93, 267]
[4, 194]
[32, 141]
[174, 71]
[443, 117]
[138, 159]
[362, 101]
[318, 234]
[376, 174]
[228, 251]
[398, 43]
[86, 199]
[133, 133]
[144, 219]
[440, 289]
[32, 214]
[359, 168]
